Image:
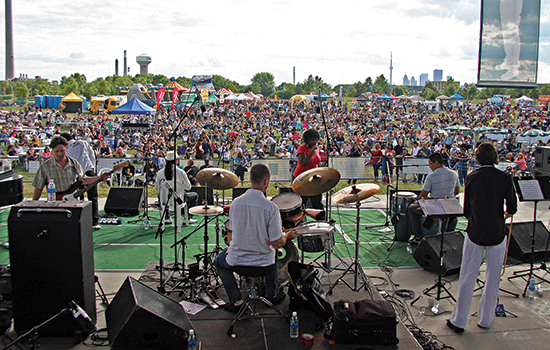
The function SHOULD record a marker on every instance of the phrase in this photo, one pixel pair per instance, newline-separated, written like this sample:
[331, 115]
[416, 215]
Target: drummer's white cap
[171, 155]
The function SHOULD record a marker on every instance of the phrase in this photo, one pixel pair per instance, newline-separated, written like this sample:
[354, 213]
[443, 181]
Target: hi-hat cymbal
[217, 178]
[355, 193]
[208, 210]
[315, 181]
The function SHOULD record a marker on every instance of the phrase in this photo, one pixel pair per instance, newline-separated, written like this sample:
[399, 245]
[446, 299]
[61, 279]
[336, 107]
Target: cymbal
[208, 210]
[355, 193]
[315, 181]
[217, 178]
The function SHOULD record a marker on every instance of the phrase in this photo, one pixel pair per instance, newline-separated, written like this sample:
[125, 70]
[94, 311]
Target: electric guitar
[76, 191]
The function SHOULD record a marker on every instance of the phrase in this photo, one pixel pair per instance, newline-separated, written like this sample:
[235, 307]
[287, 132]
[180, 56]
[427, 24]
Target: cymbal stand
[145, 216]
[218, 247]
[159, 234]
[355, 266]
[193, 272]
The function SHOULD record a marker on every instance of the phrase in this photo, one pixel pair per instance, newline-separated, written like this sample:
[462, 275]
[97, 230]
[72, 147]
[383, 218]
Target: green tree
[381, 85]
[21, 90]
[221, 82]
[369, 84]
[450, 87]
[401, 90]
[533, 93]
[69, 85]
[264, 81]
[545, 90]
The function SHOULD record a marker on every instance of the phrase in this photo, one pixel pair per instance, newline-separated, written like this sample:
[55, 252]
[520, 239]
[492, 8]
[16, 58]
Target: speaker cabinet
[428, 257]
[239, 191]
[542, 158]
[520, 243]
[139, 318]
[201, 192]
[124, 201]
[52, 263]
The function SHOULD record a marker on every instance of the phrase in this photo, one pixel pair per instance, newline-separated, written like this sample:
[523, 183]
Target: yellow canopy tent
[71, 103]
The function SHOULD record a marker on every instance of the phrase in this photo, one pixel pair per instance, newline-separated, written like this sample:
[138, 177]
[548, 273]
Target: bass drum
[285, 254]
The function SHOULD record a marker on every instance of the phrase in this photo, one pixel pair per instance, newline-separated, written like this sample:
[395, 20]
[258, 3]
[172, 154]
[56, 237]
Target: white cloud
[341, 42]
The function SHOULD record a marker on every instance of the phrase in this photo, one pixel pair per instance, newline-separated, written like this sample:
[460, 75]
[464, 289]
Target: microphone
[198, 99]
[82, 317]
[178, 198]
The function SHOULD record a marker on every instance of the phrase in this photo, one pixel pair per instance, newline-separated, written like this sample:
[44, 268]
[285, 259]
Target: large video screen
[509, 43]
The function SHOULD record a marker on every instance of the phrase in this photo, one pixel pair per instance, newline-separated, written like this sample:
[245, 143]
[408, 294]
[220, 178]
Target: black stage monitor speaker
[139, 318]
[124, 201]
[428, 257]
[52, 263]
[239, 191]
[200, 191]
[520, 243]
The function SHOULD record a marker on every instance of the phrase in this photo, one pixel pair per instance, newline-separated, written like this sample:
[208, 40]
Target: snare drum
[290, 207]
[401, 203]
[318, 237]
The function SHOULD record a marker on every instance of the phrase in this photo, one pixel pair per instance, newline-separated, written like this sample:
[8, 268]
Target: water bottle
[191, 340]
[531, 288]
[146, 224]
[294, 325]
[51, 191]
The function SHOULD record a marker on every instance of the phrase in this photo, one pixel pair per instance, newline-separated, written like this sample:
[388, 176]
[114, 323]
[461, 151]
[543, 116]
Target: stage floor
[530, 330]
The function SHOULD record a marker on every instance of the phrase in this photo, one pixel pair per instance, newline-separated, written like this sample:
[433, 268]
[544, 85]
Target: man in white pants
[487, 190]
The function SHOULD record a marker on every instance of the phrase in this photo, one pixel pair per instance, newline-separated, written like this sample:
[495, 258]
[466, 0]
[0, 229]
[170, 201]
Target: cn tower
[9, 42]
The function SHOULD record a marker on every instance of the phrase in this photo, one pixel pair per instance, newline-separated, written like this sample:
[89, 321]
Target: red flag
[160, 96]
[175, 93]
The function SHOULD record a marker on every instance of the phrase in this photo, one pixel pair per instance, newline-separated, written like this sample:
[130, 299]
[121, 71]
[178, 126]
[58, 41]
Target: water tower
[143, 60]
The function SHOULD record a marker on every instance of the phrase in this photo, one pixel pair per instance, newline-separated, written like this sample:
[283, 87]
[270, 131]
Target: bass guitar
[77, 190]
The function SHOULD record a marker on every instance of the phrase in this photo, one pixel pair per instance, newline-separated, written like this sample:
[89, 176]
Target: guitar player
[64, 171]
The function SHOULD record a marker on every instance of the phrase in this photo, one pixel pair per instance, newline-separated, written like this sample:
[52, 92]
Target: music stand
[442, 209]
[532, 190]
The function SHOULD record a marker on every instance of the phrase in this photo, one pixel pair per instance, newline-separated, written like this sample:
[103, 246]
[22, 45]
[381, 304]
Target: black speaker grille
[124, 201]
[428, 257]
[520, 244]
[140, 318]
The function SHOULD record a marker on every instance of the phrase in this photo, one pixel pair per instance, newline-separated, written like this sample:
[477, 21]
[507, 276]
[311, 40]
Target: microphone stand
[173, 137]
[327, 196]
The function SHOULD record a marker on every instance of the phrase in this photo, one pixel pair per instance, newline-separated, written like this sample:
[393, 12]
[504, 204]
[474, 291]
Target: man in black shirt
[487, 191]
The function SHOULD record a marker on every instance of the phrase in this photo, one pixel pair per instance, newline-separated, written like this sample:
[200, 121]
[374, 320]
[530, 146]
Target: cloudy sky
[342, 41]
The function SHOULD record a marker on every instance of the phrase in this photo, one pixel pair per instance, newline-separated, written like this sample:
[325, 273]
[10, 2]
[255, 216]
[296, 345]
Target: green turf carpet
[130, 247]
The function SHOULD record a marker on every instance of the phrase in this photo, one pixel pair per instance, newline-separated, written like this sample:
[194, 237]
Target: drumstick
[304, 226]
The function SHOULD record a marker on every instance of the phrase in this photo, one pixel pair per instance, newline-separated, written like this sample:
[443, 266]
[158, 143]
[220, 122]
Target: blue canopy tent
[134, 106]
[385, 96]
[323, 96]
[456, 96]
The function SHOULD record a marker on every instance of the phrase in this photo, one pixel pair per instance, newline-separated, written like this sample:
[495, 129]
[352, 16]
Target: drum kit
[314, 236]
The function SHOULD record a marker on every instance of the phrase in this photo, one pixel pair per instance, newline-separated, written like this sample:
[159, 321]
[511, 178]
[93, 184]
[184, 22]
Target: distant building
[413, 82]
[438, 75]
[406, 81]
[423, 79]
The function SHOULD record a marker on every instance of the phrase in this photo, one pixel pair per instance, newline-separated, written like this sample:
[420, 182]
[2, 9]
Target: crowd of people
[383, 133]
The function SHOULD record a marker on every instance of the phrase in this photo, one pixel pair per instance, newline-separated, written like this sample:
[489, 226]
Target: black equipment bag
[305, 290]
[364, 322]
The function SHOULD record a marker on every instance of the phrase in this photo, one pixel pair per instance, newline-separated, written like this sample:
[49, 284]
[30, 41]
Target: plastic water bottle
[146, 224]
[191, 340]
[294, 325]
[51, 191]
[531, 288]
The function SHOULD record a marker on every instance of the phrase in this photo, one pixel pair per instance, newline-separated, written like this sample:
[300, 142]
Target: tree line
[261, 83]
